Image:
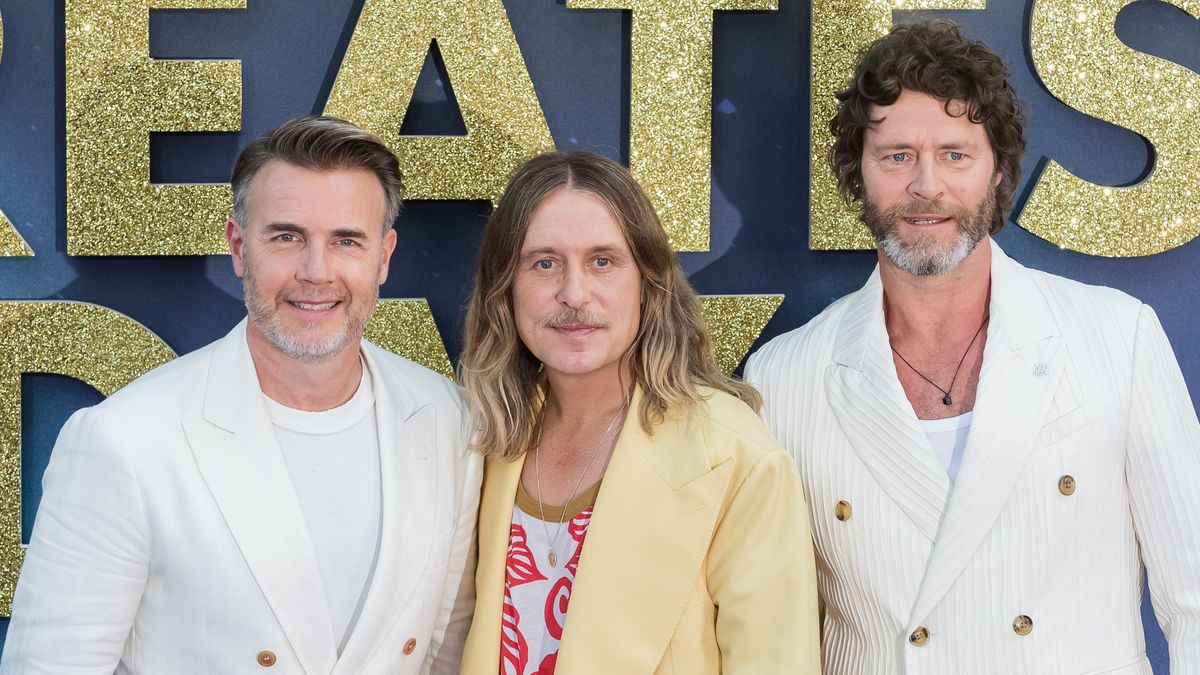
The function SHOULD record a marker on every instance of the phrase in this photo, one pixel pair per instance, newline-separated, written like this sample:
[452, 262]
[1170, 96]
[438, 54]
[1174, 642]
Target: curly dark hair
[932, 58]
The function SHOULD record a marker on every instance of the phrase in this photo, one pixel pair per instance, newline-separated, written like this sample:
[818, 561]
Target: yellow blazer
[698, 558]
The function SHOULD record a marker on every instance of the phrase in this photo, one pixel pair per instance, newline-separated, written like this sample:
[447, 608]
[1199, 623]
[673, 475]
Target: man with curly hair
[992, 454]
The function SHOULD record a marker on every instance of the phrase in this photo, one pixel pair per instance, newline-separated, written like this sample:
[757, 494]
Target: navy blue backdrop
[578, 61]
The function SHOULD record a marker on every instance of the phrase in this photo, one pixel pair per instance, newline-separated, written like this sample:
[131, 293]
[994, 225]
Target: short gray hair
[323, 144]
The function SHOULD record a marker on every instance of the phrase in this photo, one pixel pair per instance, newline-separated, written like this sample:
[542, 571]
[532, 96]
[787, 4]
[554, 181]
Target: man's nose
[314, 266]
[927, 181]
[575, 289]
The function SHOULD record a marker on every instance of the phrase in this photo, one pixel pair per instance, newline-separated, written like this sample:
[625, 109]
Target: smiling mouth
[926, 220]
[313, 306]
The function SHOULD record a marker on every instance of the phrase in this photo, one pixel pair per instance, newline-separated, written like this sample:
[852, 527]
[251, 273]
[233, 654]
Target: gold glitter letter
[12, 245]
[1079, 58]
[670, 117]
[90, 343]
[735, 322]
[406, 327]
[505, 123]
[116, 96]
[840, 28]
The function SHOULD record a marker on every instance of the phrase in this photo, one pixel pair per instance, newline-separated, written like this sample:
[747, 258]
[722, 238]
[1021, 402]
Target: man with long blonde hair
[604, 419]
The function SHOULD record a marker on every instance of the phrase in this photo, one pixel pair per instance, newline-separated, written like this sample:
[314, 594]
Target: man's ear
[236, 238]
[389, 245]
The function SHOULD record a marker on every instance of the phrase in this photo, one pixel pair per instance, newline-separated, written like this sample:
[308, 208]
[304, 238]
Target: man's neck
[577, 399]
[304, 386]
[941, 306]
[579, 431]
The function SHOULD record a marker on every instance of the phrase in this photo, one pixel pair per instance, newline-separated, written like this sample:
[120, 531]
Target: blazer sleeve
[1163, 471]
[762, 575]
[458, 598]
[87, 562]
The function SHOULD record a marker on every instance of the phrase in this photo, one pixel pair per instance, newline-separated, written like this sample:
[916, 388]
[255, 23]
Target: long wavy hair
[671, 357]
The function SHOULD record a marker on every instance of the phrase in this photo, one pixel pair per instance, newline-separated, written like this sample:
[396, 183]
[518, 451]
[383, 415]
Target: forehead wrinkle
[943, 139]
[608, 249]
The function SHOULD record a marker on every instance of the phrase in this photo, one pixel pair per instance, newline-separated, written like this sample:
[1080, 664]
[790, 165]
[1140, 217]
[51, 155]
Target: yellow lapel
[645, 548]
[500, 479]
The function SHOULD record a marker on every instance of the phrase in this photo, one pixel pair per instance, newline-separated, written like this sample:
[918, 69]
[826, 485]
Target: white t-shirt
[536, 592]
[949, 438]
[333, 459]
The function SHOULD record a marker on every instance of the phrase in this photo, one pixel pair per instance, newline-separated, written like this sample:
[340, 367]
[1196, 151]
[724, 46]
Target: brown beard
[926, 256]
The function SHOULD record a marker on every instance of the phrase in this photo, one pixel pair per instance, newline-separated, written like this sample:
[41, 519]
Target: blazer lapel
[866, 397]
[237, 455]
[407, 445]
[500, 480]
[1022, 368]
[644, 549]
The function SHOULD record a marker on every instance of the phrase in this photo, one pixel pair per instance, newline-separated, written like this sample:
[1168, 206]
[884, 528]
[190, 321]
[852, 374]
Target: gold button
[1066, 485]
[266, 658]
[842, 510]
[410, 646]
[1022, 625]
[919, 637]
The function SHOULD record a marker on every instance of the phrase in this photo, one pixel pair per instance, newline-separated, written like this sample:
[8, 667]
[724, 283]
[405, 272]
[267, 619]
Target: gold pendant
[552, 559]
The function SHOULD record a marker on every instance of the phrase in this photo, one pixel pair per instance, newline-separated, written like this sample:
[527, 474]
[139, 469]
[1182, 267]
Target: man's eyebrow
[285, 227]
[534, 252]
[892, 146]
[339, 233]
[349, 233]
[611, 250]
[889, 147]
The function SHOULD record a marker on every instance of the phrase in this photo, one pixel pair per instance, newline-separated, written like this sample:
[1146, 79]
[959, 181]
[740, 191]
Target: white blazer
[1076, 381]
[169, 540]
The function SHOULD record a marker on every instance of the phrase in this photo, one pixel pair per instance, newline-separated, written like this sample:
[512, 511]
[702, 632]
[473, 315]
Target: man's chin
[313, 352]
[307, 344]
[925, 257]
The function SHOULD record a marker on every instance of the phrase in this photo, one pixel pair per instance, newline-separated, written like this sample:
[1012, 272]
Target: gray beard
[924, 257]
[298, 346]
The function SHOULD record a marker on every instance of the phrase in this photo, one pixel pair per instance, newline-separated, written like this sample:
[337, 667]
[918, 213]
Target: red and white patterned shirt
[536, 593]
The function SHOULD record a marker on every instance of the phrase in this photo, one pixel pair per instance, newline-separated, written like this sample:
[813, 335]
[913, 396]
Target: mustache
[916, 207]
[572, 317]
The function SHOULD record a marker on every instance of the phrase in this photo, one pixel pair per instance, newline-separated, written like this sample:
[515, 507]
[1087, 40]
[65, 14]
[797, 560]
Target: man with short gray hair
[289, 497]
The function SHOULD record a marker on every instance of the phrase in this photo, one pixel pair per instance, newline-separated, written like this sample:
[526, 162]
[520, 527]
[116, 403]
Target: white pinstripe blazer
[1076, 380]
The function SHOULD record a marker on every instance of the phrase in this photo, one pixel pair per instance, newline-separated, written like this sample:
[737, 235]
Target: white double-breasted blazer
[169, 539]
[1082, 465]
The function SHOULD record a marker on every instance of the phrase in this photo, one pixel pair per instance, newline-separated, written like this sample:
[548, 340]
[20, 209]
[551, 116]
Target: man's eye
[603, 262]
[955, 156]
[347, 242]
[286, 237]
[898, 157]
[544, 264]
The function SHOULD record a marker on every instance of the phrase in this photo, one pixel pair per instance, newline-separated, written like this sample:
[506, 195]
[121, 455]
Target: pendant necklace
[552, 556]
[946, 400]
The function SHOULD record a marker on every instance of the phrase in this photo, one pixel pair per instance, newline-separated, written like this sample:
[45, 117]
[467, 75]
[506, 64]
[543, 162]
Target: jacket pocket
[1137, 666]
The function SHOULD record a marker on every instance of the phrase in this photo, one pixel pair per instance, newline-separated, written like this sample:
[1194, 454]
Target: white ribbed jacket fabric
[1076, 380]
